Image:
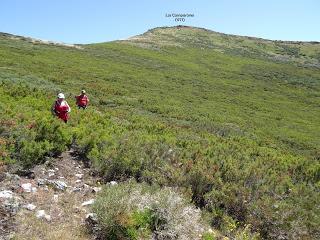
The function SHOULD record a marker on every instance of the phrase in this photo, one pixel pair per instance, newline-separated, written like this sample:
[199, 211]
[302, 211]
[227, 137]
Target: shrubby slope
[223, 118]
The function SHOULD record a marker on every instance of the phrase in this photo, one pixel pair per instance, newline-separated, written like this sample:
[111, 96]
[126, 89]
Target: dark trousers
[83, 107]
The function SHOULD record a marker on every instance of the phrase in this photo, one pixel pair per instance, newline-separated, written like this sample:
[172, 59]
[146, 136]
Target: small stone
[59, 185]
[16, 177]
[96, 189]
[51, 172]
[76, 189]
[47, 162]
[27, 187]
[78, 181]
[112, 183]
[41, 214]
[79, 175]
[41, 182]
[77, 210]
[6, 194]
[89, 202]
[12, 204]
[30, 207]
[92, 216]
[8, 175]
[47, 217]
[2, 176]
[91, 222]
[55, 197]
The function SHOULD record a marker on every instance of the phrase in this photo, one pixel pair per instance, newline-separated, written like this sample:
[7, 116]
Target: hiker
[61, 108]
[82, 100]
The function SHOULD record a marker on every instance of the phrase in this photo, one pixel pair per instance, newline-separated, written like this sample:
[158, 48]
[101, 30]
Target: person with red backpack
[82, 100]
[61, 108]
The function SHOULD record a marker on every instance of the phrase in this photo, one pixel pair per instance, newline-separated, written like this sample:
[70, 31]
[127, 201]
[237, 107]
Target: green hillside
[232, 121]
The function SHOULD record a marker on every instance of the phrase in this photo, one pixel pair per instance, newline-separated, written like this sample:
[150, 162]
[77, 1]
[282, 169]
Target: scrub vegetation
[231, 123]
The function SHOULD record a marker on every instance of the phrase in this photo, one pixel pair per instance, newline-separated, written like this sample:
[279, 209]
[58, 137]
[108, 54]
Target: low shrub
[138, 211]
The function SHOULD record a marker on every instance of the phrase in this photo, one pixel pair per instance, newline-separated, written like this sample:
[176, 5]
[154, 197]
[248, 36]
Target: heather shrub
[138, 211]
[43, 137]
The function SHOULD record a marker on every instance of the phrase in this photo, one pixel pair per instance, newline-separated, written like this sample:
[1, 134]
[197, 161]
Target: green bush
[41, 138]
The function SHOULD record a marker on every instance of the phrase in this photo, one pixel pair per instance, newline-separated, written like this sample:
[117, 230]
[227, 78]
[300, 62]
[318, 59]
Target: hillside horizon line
[24, 37]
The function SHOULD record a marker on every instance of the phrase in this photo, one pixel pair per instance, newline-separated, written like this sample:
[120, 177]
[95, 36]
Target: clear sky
[88, 21]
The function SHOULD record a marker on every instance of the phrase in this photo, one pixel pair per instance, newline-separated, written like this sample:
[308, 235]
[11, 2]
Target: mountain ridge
[22, 37]
[226, 34]
[305, 54]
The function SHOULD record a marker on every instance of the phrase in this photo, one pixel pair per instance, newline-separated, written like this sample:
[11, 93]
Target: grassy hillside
[301, 53]
[233, 122]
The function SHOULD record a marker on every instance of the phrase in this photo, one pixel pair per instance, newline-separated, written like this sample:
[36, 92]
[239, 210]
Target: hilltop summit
[301, 53]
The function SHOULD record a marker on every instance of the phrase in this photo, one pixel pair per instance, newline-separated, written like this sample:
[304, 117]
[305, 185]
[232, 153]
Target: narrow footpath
[51, 201]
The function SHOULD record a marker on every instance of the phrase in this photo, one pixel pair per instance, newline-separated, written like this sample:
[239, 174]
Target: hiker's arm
[53, 110]
[69, 108]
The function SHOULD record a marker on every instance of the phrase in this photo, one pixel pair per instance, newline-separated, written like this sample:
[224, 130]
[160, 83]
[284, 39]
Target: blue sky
[88, 21]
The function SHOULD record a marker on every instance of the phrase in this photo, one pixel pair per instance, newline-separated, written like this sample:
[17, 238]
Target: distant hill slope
[233, 121]
[36, 41]
[302, 53]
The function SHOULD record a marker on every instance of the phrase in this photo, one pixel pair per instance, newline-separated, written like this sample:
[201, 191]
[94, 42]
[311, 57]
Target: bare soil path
[51, 201]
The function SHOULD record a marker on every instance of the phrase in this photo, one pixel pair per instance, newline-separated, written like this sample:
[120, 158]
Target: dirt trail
[50, 202]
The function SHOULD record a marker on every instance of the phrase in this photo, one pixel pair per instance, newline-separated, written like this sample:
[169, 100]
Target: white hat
[83, 91]
[61, 95]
